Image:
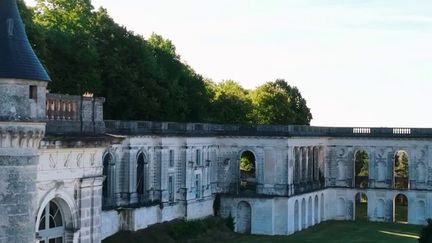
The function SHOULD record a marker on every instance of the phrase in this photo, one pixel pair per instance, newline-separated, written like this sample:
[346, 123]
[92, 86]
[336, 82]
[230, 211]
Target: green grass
[343, 232]
[213, 230]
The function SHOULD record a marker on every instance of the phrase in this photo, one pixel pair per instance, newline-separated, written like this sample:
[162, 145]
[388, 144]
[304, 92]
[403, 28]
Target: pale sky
[357, 62]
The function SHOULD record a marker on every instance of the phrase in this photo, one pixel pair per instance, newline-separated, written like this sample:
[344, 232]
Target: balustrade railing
[62, 107]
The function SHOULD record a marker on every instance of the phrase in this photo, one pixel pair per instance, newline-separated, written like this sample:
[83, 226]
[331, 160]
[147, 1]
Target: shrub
[426, 233]
[230, 222]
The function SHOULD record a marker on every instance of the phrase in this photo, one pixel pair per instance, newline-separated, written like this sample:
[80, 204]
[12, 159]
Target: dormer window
[33, 92]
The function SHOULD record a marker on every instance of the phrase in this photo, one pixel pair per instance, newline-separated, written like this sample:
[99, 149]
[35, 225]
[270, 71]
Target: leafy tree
[85, 50]
[401, 165]
[426, 233]
[362, 163]
[361, 169]
[278, 103]
[247, 162]
[72, 58]
[231, 103]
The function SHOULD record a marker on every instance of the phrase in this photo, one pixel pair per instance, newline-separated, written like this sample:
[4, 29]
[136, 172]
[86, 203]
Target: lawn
[345, 231]
[214, 230]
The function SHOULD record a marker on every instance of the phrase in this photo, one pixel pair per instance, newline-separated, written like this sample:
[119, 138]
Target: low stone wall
[133, 219]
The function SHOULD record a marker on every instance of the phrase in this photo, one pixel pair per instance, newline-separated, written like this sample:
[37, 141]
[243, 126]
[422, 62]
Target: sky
[358, 63]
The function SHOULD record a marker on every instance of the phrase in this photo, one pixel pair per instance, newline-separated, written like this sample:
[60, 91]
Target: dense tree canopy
[278, 103]
[85, 50]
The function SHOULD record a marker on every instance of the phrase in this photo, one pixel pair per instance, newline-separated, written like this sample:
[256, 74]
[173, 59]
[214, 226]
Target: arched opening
[316, 215]
[309, 223]
[51, 228]
[401, 171]
[108, 184]
[296, 216]
[247, 172]
[244, 215]
[361, 206]
[141, 178]
[303, 214]
[400, 206]
[361, 169]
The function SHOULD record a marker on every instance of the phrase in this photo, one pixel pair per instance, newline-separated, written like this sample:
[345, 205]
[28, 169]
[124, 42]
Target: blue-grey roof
[17, 58]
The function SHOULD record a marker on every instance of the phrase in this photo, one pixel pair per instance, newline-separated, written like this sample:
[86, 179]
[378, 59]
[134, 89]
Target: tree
[231, 103]
[85, 50]
[426, 233]
[72, 58]
[278, 103]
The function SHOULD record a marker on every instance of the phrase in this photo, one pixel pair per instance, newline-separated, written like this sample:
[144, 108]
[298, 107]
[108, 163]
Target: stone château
[68, 175]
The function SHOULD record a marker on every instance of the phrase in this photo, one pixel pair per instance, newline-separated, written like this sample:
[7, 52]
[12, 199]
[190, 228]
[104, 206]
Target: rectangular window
[171, 158]
[198, 156]
[33, 92]
[198, 187]
[171, 188]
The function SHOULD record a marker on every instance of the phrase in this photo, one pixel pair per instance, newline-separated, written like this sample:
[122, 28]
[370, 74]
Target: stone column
[90, 209]
[18, 168]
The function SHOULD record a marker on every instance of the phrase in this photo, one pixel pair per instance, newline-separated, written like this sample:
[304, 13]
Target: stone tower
[23, 82]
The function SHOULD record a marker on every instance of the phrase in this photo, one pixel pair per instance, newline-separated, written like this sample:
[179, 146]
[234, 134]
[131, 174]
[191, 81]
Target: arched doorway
[400, 209]
[361, 207]
[141, 178]
[361, 169]
[51, 227]
[244, 215]
[247, 172]
[296, 216]
[401, 171]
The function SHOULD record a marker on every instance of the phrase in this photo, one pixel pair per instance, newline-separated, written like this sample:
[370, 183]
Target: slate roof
[17, 58]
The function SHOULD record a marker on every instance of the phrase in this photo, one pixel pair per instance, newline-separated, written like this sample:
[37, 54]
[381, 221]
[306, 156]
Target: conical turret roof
[17, 58]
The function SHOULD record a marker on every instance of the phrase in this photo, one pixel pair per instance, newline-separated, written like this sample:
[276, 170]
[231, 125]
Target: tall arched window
[361, 169]
[51, 224]
[108, 184]
[141, 178]
[247, 172]
[401, 171]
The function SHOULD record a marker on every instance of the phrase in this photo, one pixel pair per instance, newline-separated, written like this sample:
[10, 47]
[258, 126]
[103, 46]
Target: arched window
[141, 178]
[51, 224]
[401, 171]
[361, 202]
[247, 172]
[108, 184]
[361, 169]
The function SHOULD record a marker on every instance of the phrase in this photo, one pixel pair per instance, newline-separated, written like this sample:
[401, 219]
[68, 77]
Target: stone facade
[142, 173]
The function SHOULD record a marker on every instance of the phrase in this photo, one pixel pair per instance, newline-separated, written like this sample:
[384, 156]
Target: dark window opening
[33, 92]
